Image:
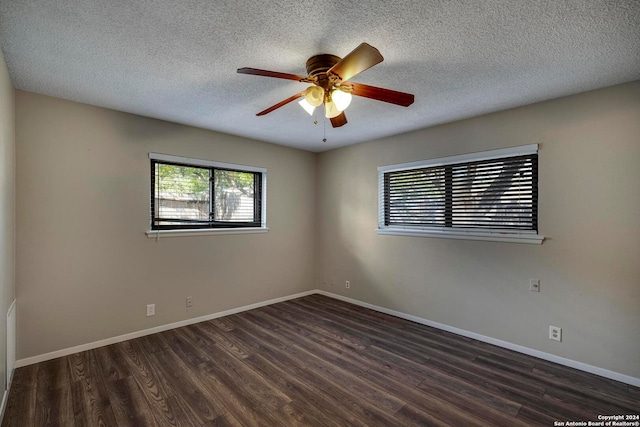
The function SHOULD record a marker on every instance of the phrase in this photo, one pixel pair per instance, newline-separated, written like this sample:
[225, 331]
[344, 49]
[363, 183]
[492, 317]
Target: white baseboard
[101, 343]
[627, 379]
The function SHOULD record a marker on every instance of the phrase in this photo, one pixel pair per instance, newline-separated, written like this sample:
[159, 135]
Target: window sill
[530, 238]
[158, 234]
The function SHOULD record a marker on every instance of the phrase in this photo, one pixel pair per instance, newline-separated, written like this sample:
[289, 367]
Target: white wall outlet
[534, 285]
[347, 284]
[555, 333]
[189, 302]
[151, 310]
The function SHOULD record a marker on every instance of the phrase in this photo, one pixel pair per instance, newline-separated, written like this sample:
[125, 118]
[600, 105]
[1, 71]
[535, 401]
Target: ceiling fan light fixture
[330, 110]
[341, 99]
[314, 95]
[307, 107]
[329, 77]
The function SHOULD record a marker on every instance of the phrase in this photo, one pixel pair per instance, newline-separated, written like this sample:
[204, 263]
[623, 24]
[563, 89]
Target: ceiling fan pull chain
[324, 130]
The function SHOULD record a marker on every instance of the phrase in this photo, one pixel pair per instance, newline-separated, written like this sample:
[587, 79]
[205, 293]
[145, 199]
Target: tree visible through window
[192, 196]
[487, 194]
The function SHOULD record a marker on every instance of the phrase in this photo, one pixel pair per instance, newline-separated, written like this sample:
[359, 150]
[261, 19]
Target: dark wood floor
[313, 361]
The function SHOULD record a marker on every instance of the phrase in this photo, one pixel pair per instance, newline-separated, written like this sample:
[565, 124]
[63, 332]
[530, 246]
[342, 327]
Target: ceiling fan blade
[381, 94]
[280, 104]
[359, 59]
[276, 74]
[339, 120]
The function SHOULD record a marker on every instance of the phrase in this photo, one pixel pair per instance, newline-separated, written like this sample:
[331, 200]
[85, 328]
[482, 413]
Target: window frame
[486, 234]
[219, 228]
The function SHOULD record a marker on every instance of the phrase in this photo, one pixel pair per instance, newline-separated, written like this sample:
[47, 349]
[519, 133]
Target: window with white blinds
[199, 194]
[489, 194]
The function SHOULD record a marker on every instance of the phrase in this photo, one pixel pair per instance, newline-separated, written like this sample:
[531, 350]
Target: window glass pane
[494, 194]
[181, 194]
[416, 197]
[234, 196]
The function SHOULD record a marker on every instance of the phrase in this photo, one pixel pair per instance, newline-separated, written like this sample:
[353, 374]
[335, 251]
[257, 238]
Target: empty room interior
[320, 214]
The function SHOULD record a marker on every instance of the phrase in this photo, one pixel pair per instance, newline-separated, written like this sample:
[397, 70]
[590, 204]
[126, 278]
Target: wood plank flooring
[313, 361]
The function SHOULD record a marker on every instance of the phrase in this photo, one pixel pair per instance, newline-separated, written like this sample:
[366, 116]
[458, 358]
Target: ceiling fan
[329, 75]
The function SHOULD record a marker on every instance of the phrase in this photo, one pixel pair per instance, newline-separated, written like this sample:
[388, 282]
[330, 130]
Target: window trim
[156, 234]
[493, 235]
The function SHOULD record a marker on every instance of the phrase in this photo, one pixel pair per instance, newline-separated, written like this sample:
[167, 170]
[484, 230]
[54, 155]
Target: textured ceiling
[177, 60]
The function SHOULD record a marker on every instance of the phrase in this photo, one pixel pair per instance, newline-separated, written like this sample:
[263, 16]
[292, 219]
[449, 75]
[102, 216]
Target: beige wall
[86, 270]
[589, 266]
[7, 207]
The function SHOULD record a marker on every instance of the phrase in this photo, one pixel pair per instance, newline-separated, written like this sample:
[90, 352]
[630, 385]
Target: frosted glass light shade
[307, 107]
[341, 99]
[314, 95]
[330, 110]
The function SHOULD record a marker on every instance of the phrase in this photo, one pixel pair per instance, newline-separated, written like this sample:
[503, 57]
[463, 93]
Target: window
[484, 196]
[199, 194]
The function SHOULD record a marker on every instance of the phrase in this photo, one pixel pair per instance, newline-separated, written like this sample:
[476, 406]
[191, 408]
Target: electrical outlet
[555, 333]
[347, 284]
[151, 310]
[189, 302]
[534, 285]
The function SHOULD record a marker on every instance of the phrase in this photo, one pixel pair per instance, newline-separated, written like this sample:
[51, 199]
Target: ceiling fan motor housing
[317, 67]
[321, 64]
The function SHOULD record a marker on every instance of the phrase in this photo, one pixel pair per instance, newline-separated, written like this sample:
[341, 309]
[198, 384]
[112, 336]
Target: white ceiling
[177, 60]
